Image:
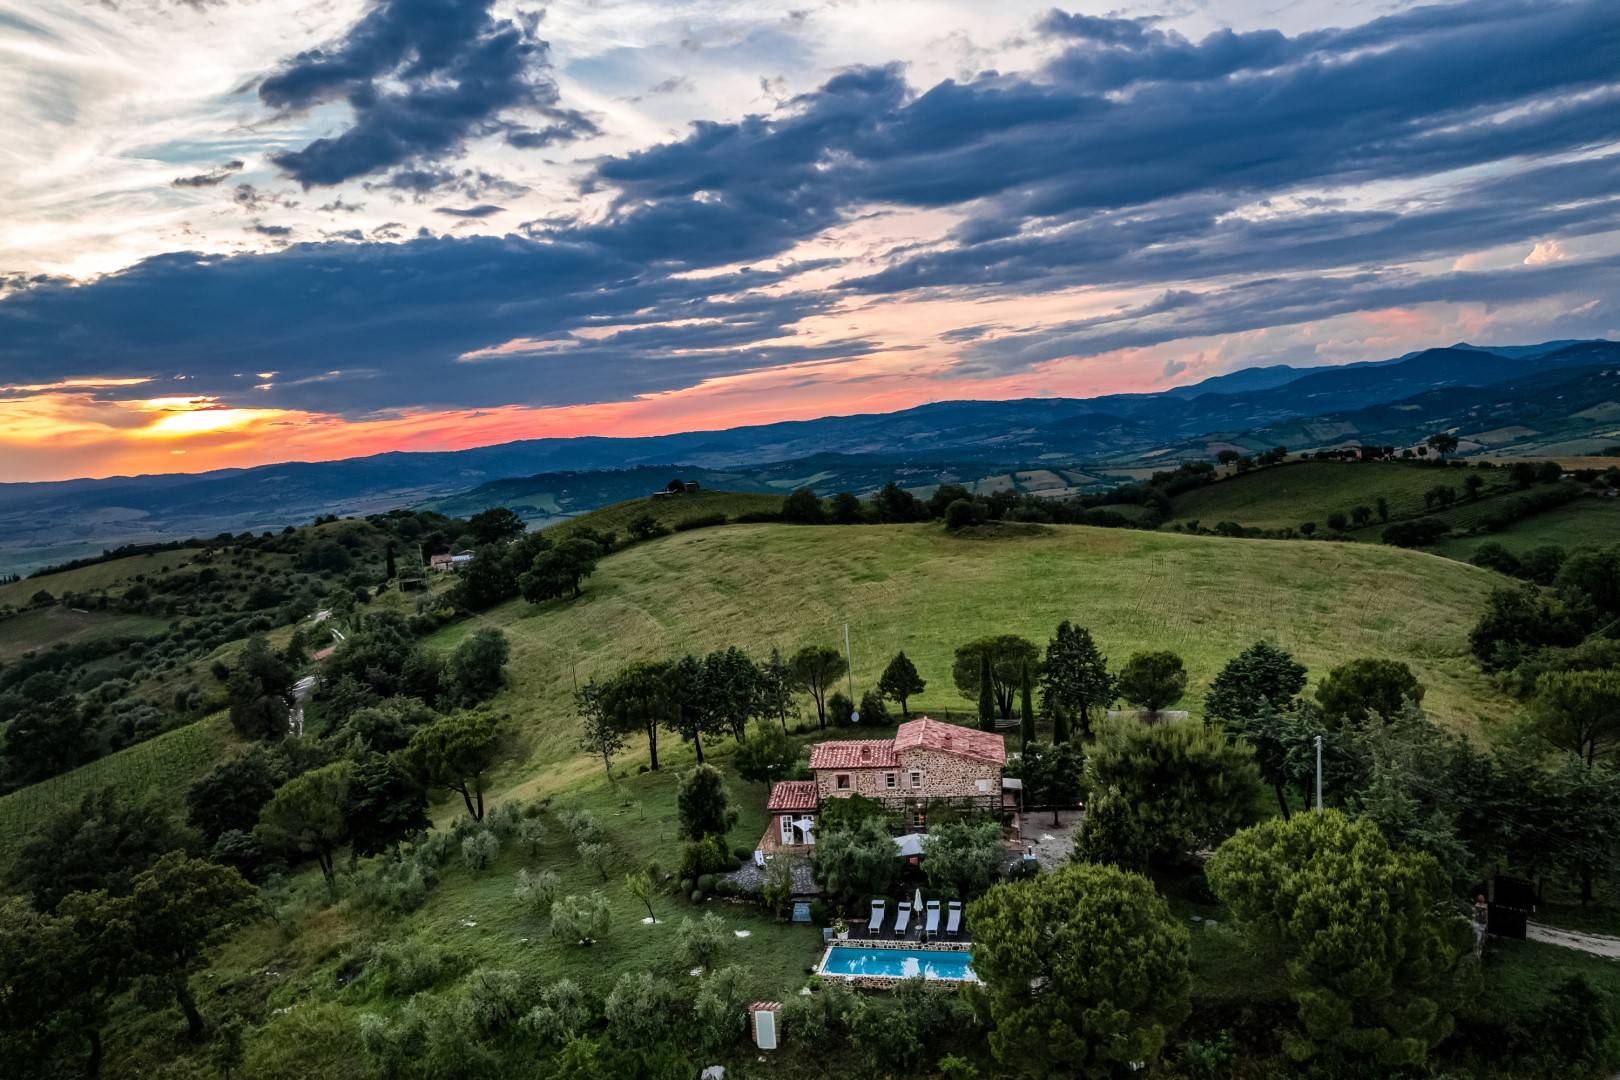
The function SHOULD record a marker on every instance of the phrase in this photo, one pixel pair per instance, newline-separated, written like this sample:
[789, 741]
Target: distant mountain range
[1558, 394]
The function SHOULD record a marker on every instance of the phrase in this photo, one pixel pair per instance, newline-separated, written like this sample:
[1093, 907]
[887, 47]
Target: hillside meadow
[920, 589]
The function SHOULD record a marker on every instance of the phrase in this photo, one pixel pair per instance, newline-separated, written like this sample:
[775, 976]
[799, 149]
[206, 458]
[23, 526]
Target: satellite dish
[855, 716]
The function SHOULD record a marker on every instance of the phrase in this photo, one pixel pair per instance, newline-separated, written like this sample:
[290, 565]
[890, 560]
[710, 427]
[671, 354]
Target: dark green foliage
[560, 570]
[896, 506]
[1026, 710]
[489, 579]
[388, 725]
[1519, 621]
[703, 804]
[802, 508]
[641, 698]
[384, 806]
[1261, 677]
[1153, 680]
[987, 697]
[646, 527]
[965, 513]
[1364, 689]
[1112, 966]
[840, 710]
[497, 525]
[851, 863]
[230, 795]
[474, 671]
[102, 843]
[1419, 533]
[1187, 785]
[1051, 773]
[260, 692]
[964, 857]
[1378, 988]
[306, 817]
[1006, 655]
[873, 709]
[1075, 683]
[846, 509]
[766, 756]
[816, 668]
[848, 811]
[900, 682]
[457, 753]
[1579, 712]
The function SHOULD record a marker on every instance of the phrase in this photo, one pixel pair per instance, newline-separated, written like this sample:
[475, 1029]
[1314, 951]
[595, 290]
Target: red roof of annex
[793, 795]
[921, 732]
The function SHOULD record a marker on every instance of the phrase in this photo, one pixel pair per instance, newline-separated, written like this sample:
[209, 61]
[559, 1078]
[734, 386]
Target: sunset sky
[244, 231]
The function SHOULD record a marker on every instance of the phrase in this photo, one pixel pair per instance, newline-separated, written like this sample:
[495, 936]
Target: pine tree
[1075, 679]
[987, 695]
[900, 681]
[1028, 717]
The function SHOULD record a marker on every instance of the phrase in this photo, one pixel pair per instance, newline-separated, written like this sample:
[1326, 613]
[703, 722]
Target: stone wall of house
[946, 775]
[862, 781]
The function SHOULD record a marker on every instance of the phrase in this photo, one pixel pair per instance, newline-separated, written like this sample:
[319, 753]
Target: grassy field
[112, 574]
[1283, 497]
[1589, 522]
[671, 510]
[44, 627]
[159, 769]
[920, 589]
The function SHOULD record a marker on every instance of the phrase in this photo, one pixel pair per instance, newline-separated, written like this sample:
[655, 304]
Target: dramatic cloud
[213, 178]
[1087, 195]
[421, 77]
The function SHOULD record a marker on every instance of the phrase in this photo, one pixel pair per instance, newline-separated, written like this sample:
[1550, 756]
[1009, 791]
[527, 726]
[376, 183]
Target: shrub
[563, 1012]
[706, 883]
[395, 884]
[702, 521]
[536, 890]
[479, 850]
[700, 857]
[701, 942]
[406, 967]
[531, 834]
[491, 999]
[580, 918]
[721, 1008]
[641, 1008]
[742, 854]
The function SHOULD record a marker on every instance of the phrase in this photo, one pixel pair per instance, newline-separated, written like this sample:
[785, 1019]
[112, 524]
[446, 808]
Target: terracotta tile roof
[853, 754]
[952, 739]
[793, 795]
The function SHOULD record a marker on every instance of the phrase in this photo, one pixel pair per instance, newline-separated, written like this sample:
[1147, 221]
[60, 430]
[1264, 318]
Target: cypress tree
[389, 575]
[987, 697]
[1028, 717]
[1060, 728]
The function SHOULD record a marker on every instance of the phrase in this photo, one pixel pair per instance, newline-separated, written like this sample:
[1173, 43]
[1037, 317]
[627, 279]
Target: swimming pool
[856, 961]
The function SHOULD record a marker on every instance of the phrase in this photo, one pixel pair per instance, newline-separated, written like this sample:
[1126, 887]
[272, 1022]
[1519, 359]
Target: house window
[916, 778]
[890, 780]
[842, 781]
[787, 828]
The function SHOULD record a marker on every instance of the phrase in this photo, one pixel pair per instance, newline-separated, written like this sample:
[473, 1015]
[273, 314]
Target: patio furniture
[953, 918]
[932, 927]
[875, 923]
[902, 921]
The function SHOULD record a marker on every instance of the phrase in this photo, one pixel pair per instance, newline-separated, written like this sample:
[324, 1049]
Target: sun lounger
[875, 923]
[932, 926]
[953, 918]
[902, 920]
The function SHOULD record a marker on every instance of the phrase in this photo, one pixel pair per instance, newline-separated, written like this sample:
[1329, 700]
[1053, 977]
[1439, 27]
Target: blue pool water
[899, 963]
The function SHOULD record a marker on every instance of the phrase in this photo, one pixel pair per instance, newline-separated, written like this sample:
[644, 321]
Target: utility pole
[1319, 774]
[849, 673]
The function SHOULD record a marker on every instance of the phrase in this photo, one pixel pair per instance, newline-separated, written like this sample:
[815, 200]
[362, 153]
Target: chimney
[866, 752]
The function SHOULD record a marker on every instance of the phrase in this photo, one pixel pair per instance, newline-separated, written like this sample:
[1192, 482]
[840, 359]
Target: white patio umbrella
[916, 902]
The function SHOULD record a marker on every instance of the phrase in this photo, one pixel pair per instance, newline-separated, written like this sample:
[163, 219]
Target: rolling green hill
[920, 589]
[1589, 522]
[1285, 496]
[671, 510]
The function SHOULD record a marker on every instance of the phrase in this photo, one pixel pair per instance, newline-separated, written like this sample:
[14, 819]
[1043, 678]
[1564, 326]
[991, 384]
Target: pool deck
[913, 934]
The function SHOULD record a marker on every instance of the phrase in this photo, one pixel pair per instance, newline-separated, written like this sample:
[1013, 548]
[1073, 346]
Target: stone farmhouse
[927, 762]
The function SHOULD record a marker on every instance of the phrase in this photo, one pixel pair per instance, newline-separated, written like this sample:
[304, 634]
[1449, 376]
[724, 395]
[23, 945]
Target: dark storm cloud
[360, 328]
[422, 77]
[212, 178]
[1122, 163]
[483, 210]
